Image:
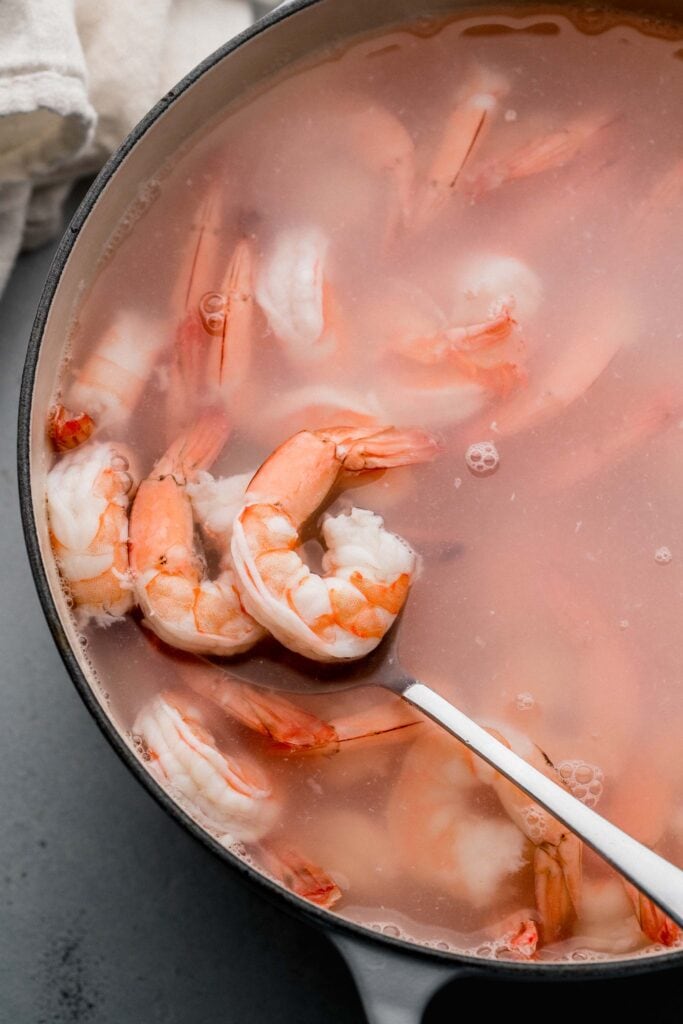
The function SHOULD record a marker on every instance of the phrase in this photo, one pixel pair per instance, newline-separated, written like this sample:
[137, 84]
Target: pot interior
[121, 196]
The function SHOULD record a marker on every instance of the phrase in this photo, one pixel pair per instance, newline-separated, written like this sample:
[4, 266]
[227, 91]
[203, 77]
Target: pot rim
[298, 906]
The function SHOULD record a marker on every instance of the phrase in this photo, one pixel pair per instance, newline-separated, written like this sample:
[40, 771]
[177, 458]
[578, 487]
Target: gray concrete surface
[109, 913]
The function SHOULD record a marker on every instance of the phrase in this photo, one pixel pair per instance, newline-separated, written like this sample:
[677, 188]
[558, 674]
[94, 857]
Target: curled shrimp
[231, 796]
[180, 603]
[344, 613]
[88, 494]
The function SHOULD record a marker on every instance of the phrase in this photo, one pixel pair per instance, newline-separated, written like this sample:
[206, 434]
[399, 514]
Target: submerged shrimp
[568, 370]
[300, 875]
[557, 851]
[180, 603]
[109, 385]
[437, 817]
[463, 133]
[287, 724]
[214, 306]
[548, 152]
[367, 570]
[453, 358]
[294, 291]
[231, 796]
[438, 825]
[88, 494]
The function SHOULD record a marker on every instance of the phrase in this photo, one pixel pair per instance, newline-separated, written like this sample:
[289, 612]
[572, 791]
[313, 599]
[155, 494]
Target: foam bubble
[583, 780]
[525, 701]
[212, 307]
[663, 556]
[482, 458]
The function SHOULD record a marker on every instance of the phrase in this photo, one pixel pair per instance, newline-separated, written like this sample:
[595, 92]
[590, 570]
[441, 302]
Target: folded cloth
[75, 77]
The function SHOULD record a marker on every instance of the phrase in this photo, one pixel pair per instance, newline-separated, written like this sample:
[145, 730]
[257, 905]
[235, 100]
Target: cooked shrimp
[640, 802]
[294, 290]
[457, 361]
[68, 430]
[109, 385]
[231, 796]
[571, 368]
[180, 603]
[300, 875]
[464, 131]
[403, 316]
[437, 816]
[546, 153]
[443, 832]
[286, 723]
[557, 854]
[214, 306]
[470, 353]
[88, 494]
[368, 571]
[607, 921]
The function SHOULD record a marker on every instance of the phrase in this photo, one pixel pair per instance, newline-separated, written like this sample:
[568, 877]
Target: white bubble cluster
[663, 556]
[584, 781]
[482, 458]
[525, 701]
[535, 824]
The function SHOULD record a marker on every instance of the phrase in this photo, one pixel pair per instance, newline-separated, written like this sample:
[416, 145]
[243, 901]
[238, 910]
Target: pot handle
[394, 987]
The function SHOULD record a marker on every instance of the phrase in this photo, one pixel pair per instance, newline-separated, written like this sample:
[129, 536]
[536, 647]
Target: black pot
[396, 979]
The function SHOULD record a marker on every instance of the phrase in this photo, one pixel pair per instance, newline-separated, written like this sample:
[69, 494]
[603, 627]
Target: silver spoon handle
[660, 880]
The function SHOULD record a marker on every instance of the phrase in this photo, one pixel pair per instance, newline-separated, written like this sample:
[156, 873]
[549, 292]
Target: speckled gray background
[109, 913]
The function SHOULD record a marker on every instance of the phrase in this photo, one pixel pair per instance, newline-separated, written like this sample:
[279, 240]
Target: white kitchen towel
[75, 77]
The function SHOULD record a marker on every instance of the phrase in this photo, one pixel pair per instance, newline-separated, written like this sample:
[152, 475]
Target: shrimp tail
[383, 449]
[524, 941]
[557, 877]
[68, 430]
[653, 921]
[195, 448]
[302, 877]
[272, 716]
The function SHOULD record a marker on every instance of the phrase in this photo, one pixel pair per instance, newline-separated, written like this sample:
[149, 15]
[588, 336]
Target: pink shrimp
[230, 795]
[214, 307]
[368, 571]
[68, 430]
[463, 133]
[88, 493]
[109, 384]
[181, 605]
[436, 819]
[552, 151]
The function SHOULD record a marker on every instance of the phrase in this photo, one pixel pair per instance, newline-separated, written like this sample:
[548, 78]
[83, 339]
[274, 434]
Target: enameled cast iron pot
[395, 979]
